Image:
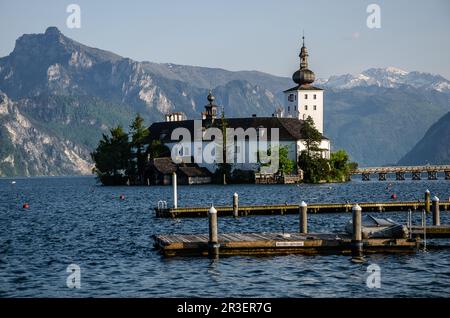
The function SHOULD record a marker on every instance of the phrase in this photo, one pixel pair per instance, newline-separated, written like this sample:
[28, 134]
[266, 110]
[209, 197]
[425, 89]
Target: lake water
[75, 221]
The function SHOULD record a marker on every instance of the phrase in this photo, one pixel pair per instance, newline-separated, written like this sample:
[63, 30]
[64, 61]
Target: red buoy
[394, 196]
[26, 206]
[122, 197]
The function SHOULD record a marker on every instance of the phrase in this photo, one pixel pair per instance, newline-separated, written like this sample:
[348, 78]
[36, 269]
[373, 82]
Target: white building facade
[302, 101]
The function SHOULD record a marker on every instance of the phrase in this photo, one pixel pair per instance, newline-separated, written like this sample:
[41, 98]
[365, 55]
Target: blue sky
[262, 35]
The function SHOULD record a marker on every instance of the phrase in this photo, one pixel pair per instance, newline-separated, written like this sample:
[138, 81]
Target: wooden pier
[431, 231]
[277, 244]
[165, 212]
[401, 171]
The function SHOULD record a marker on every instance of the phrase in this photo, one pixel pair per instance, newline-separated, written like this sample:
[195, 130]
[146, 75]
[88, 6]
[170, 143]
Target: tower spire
[303, 75]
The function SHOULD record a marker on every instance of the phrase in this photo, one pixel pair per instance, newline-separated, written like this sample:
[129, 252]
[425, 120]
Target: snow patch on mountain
[390, 77]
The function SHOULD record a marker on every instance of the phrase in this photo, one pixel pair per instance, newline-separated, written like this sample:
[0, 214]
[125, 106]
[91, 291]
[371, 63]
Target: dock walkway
[277, 244]
[294, 209]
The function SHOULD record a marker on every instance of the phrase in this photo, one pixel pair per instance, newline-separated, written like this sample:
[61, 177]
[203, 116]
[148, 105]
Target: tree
[340, 166]
[139, 135]
[286, 166]
[315, 169]
[112, 157]
[310, 136]
[156, 149]
[224, 169]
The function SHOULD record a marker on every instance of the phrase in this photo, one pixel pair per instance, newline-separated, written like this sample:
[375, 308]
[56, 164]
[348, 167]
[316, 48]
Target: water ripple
[72, 220]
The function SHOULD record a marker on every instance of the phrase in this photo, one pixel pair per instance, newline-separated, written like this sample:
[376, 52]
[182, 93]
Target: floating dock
[277, 244]
[431, 231]
[294, 209]
[213, 244]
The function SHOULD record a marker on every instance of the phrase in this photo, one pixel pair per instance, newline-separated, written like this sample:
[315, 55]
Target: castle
[301, 101]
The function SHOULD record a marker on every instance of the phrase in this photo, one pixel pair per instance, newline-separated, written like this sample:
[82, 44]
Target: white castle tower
[304, 99]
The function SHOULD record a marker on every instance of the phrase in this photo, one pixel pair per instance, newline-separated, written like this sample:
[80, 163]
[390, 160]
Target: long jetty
[281, 209]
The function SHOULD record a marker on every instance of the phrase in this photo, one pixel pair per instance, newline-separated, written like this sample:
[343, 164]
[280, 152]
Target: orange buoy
[393, 196]
[26, 206]
[122, 197]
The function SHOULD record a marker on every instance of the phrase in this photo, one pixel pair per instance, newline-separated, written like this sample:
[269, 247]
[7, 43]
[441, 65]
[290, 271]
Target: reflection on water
[74, 221]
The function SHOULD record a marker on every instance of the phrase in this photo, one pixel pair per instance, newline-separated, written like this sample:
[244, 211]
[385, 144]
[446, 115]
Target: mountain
[389, 77]
[433, 148]
[59, 96]
[75, 93]
[29, 148]
[378, 125]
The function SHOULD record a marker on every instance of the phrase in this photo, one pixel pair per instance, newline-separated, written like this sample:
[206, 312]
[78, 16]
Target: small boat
[372, 227]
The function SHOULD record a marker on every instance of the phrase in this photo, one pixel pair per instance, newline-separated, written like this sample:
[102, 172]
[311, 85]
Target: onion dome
[303, 75]
[210, 97]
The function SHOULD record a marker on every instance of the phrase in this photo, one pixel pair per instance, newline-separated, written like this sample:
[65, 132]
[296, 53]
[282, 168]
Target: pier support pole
[427, 201]
[175, 195]
[303, 217]
[235, 205]
[357, 232]
[213, 242]
[436, 212]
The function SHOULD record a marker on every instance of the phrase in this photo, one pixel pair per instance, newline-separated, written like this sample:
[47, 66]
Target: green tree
[157, 149]
[310, 136]
[315, 169]
[139, 134]
[286, 166]
[112, 157]
[340, 166]
[223, 171]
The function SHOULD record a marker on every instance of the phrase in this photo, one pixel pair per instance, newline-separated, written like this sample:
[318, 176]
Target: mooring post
[303, 217]
[235, 205]
[213, 243]
[357, 232]
[427, 201]
[175, 195]
[436, 213]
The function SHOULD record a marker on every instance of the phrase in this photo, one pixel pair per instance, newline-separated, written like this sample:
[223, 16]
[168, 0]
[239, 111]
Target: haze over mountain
[58, 96]
[433, 148]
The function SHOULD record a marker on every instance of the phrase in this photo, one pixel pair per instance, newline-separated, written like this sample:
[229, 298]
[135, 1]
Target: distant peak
[52, 31]
[397, 70]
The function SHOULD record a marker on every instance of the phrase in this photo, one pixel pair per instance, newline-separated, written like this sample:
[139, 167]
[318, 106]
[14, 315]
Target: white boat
[372, 227]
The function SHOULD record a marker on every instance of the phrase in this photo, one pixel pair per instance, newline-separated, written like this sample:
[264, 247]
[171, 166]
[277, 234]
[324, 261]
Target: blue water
[75, 221]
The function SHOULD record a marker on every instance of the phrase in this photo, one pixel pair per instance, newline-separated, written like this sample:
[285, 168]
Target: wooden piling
[175, 194]
[427, 201]
[303, 217]
[436, 212]
[235, 205]
[357, 231]
[213, 242]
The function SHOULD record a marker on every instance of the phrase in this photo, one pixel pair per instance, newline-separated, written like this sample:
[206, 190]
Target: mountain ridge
[433, 148]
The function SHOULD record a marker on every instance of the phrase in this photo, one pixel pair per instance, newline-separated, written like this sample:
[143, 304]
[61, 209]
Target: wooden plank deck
[432, 231]
[293, 209]
[276, 244]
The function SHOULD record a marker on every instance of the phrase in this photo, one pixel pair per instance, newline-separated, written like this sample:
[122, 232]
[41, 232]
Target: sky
[263, 35]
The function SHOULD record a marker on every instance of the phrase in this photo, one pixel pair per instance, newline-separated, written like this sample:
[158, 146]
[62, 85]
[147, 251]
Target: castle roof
[289, 128]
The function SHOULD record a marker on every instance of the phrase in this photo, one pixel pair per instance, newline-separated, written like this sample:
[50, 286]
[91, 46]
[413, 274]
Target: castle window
[291, 97]
[289, 109]
[315, 107]
[306, 96]
[306, 107]
[315, 96]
